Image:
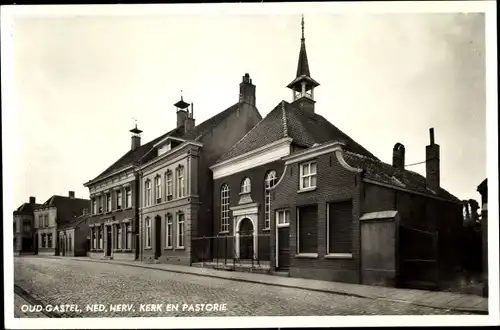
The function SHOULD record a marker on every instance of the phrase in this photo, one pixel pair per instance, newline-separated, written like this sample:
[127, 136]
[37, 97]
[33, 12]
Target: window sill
[306, 190]
[224, 232]
[118, 210]
[266, 229]
[338, 256]
[108, 212]
[307, 255]
[168, 248]
[148, 248]
[180, 248]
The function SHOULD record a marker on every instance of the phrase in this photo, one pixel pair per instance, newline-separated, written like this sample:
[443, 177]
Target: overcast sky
[79, 80]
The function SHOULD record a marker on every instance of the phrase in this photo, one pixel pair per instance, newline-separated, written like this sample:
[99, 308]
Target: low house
[73, 237]
[24, 229]
[51, 215]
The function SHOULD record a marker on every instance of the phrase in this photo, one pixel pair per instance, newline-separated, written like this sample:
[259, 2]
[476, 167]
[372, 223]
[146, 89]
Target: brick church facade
[302, 195]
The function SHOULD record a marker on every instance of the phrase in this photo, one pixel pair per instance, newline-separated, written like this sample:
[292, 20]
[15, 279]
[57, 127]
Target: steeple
[136, 136]
[303, 85]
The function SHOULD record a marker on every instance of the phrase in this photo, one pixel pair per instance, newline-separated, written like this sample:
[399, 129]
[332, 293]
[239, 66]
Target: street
[92, 289]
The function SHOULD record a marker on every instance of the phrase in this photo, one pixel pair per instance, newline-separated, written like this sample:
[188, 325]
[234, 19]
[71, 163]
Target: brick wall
[334, 183]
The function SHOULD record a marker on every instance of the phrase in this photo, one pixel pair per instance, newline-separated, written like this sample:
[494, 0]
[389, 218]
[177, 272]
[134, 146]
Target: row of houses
[289, 192]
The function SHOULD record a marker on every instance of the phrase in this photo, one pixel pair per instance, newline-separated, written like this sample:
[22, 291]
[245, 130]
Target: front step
[281, 274]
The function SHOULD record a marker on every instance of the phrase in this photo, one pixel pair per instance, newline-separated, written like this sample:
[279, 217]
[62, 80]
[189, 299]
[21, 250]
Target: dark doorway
[246, 239]
[62, 247]
[108, 242]
[157, 235]
[283, 248]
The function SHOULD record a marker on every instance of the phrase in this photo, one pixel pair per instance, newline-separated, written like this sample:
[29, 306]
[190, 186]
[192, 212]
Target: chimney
[398, 156]
[71, 194]
[432, 163]
[189, 122]
[32, 200]
[247, 90]
[182, 112]
[136, 137]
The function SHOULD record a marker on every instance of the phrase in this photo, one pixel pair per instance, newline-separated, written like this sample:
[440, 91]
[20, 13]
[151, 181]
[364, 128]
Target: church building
[300, 195]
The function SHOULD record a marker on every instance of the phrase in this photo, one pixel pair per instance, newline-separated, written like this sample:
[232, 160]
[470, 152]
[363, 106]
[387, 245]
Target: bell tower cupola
[303, 85]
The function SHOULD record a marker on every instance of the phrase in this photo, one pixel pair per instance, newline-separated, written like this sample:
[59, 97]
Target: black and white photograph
[250, 164]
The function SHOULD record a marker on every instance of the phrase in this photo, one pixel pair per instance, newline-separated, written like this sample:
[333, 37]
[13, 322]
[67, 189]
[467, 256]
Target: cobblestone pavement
[59, 282]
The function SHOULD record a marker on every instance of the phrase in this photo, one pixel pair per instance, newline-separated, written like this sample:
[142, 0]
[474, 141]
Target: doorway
[283, 236]
[157, 235]
[108, 241]
[246, 239]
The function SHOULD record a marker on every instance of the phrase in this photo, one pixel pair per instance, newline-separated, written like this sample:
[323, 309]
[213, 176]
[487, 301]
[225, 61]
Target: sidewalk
[435, 299]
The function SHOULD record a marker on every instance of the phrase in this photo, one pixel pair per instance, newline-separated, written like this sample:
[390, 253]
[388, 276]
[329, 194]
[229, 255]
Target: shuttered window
[307, 229]
[339, 227]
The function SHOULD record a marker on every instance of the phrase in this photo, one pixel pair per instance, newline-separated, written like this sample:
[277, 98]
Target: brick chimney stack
[398, 156]
[432, 163]
[32, 200]
[189, 122]
[247, 90]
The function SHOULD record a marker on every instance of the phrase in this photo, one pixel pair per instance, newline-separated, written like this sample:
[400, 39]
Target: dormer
[167, 144]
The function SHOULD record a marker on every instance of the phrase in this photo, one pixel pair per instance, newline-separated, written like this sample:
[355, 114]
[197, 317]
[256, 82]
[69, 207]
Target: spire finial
[135, 121]
[303, 27]
[181, 96]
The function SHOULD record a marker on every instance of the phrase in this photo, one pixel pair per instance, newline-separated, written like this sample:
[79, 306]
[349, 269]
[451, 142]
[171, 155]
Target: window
[100, 237]
[99, 200]
[270, 182]
[181, 191]
[307, 233]
[148, 193]
[128, 197]
[180, 230]
[46, 220]
[119, 236]
[40, 221]
[94, 206]
[108, 202]
[224, 206]
[94, 238]
[26, 227]
[158, 189]
[246, 186]
[49, 240]
[128, 242]
[148, 232]
[119, 199]
[308, 175]
[339, 227]
[169, 183]
[69, 243]
[283, 217]
[43, 237]
[168, 231]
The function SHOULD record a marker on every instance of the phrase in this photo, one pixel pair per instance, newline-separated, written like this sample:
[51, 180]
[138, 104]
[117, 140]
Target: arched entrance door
[246, 239]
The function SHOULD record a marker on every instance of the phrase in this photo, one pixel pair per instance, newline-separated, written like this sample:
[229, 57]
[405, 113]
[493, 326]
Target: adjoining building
[483, 190]
[300, 194]
[73, 237]
[57, 211]
[24, 228]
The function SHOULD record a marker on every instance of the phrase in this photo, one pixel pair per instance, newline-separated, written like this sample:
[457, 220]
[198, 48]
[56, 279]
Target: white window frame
[180, 182]
[119, 231]
[286, 217]
[128, 193]
[148, 233]
[225, 198]
[158, 189]
[246, 186]
[100, 232]
[119, 201]
[169, 182]
[169, 233]
[94, 205]
[109, 206]
[270, 181]
[180, 230]
[128, 237]
[308, 176]
[148, 194]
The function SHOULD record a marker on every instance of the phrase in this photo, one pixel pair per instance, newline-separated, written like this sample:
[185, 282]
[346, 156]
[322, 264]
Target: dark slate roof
[74, 223]
[382, 172]
[26, 208]
[303, 65]
[67, 208]
[285, 120]
[135, 156]
[483, 186]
